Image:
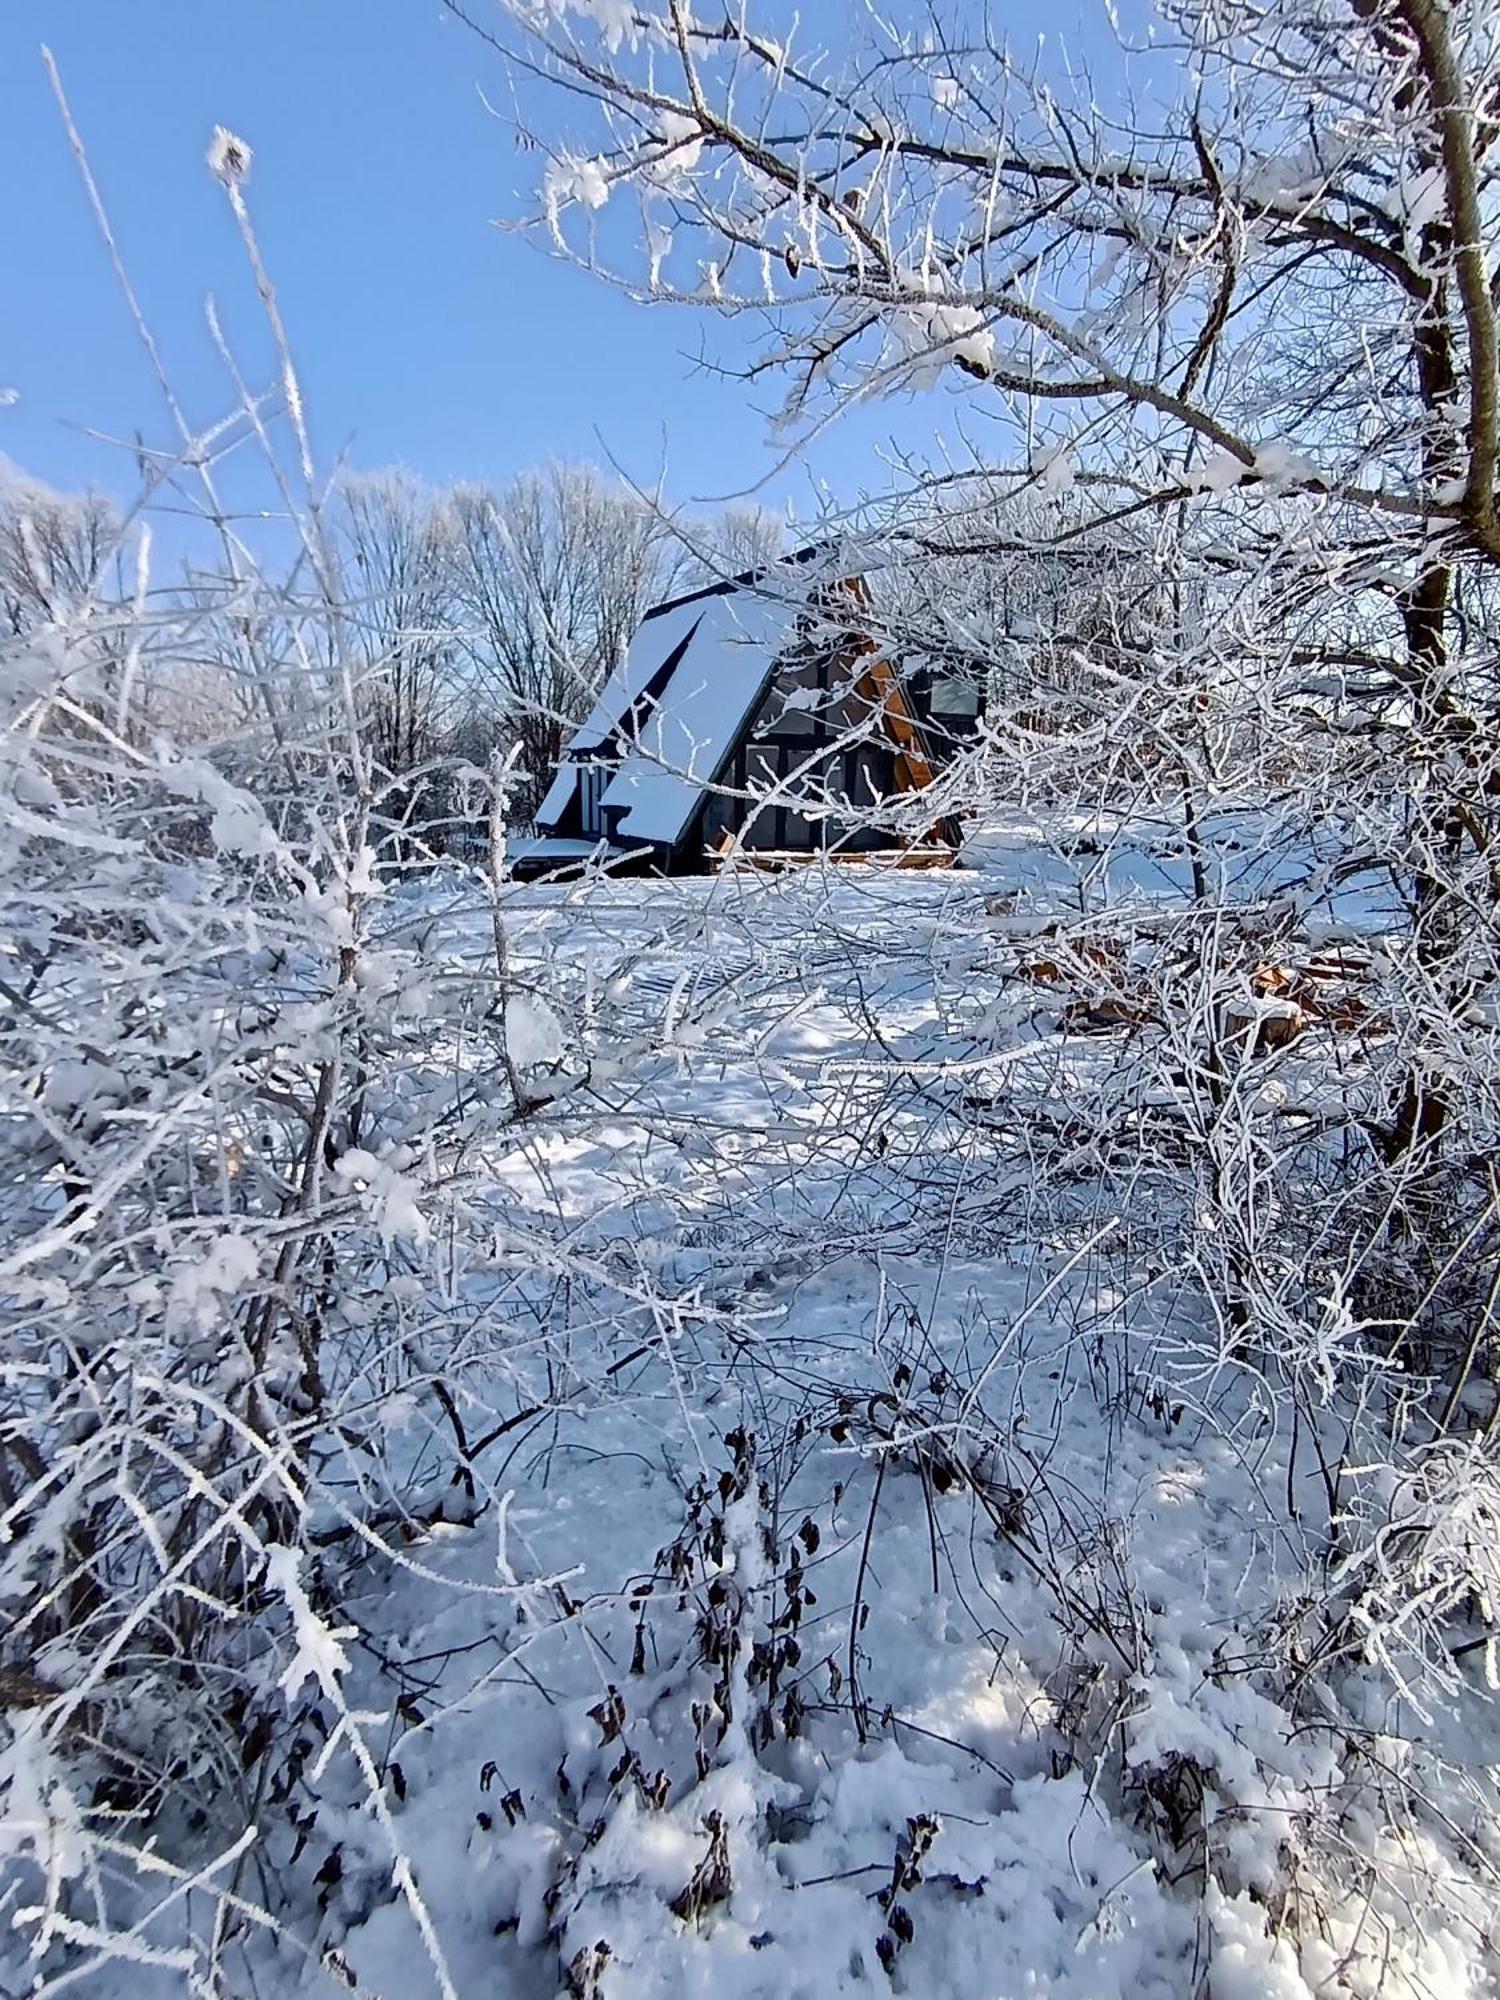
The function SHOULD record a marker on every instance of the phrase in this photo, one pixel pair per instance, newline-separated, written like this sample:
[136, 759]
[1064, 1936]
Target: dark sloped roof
[746, 580]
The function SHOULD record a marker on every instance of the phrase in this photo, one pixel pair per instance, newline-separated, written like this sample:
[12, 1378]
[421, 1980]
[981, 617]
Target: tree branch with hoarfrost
[1224, 565]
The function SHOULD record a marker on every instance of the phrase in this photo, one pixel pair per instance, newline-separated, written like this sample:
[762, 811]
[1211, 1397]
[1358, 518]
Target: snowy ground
[866, 1592]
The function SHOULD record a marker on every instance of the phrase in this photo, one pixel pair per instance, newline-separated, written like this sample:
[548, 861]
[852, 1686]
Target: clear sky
[425, 335]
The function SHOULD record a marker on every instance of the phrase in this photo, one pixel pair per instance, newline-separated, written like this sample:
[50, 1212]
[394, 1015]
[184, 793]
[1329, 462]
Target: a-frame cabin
[736, 706]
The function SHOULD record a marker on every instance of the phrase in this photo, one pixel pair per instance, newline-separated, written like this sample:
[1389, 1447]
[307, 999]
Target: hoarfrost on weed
[361, 879]
[803, 698]
[85, 1084]
[935, 335]
[38, 1814]
[614, 20]
[228, 156]
[319, 1655]
[658, 247]
[239, 825]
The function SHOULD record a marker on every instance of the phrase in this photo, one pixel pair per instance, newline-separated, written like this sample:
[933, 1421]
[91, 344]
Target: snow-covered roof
[680, 744]
[659, 634]
[559, 793]
[672, 711]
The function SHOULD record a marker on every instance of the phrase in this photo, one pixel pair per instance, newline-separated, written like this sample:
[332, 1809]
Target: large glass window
[953, 698]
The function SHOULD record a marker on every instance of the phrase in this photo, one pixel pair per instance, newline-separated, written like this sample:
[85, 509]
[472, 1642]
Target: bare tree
[394, 544]
[54, 551]
[1265, 322]
[550, 575]
[485, 613]
[395, 553]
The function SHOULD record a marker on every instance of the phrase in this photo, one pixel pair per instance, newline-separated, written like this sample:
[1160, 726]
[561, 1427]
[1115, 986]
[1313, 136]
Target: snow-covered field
[868, 1577]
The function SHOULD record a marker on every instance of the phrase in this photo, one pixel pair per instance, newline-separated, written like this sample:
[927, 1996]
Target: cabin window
[953, 699]
[592, 778]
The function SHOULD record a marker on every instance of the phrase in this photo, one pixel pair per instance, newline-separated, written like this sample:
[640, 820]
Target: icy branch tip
[228, 156]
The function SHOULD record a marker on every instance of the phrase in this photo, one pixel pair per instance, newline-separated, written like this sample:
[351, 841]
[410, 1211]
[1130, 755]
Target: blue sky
[424, 335]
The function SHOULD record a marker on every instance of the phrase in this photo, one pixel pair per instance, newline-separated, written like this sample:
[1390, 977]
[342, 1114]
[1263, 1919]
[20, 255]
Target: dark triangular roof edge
[746, 580]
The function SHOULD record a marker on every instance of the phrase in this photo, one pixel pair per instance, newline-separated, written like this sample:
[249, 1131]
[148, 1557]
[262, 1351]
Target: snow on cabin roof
[656, 638]
[666, 625]
[681, 743]
[559, 792]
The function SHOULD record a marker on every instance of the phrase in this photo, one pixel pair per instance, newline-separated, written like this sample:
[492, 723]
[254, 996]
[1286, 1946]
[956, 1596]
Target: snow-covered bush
[248, 1051]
